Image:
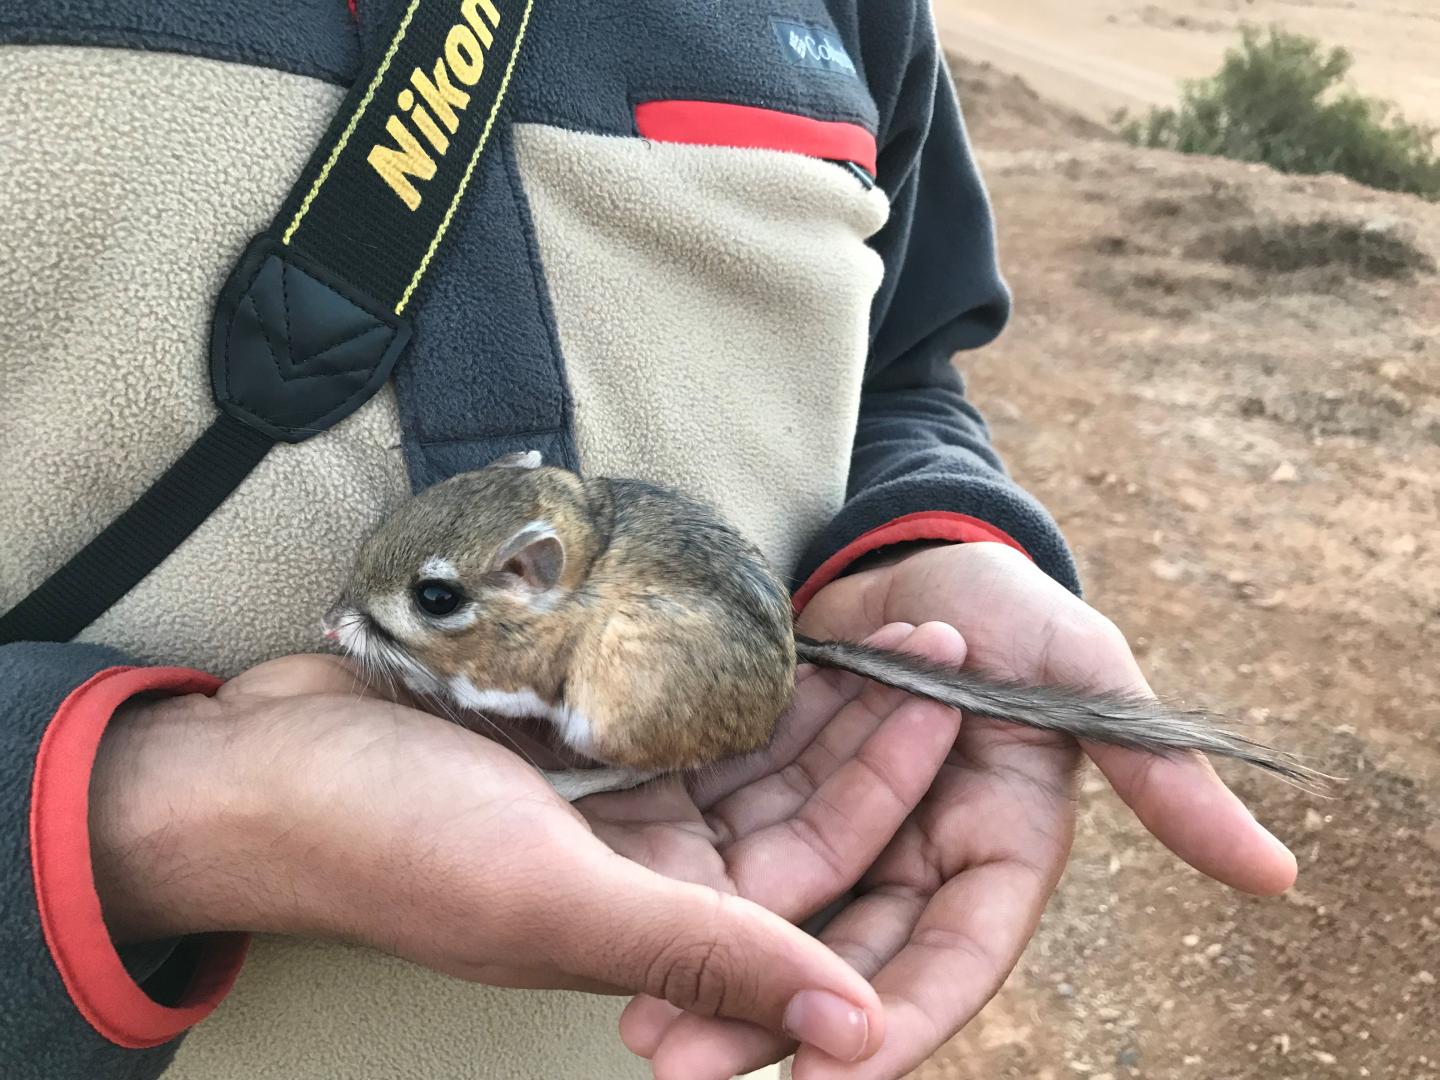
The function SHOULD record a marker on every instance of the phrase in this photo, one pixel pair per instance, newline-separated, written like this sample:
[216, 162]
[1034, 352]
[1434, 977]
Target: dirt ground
[1099, 55]
[1246, 461]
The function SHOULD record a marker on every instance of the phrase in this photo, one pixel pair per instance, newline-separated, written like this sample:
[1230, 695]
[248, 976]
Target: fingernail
[1281, 848]
[827, 1022]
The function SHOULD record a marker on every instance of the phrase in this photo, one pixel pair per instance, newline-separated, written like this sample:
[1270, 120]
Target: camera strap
[311, 321]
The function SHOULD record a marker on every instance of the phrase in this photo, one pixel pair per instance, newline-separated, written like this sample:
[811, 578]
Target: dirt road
[1098, 55]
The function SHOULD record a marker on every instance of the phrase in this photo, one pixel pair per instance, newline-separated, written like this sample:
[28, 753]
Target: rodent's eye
[437, 598]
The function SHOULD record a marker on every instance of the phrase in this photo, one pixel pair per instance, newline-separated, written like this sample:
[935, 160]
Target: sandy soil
[1099, 55]
[1246, 462]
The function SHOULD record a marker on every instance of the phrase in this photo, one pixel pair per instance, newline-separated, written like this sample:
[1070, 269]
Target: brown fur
[665, 630]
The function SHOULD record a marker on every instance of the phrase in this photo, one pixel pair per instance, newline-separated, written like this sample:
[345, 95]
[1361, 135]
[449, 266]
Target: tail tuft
[1127, 720]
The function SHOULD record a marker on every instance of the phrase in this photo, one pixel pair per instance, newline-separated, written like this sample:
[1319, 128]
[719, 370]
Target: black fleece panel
[42, 1035]
[920, 444]
[484, 375]
[591, 63]
[308, 37]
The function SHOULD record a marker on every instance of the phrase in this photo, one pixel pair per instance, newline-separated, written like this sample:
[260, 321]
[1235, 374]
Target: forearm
[74, 1004]
[164, 817]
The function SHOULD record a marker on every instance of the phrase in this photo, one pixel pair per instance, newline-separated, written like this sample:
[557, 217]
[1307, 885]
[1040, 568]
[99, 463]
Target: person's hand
[293, 803]
[942, 916]
[794, 826]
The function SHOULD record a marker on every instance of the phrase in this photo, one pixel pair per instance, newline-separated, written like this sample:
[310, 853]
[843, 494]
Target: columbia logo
[813, 47]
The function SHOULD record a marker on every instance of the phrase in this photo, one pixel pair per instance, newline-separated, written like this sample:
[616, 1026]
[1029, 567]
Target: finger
[535, 977]
[706, 1048]
[1188, 808]
[1180, 800]
[708, 953]
[867, 934]
[827, 834]
[847, 724]
[296, 676]
[645, 1021]
[820, 694]
[963, 945]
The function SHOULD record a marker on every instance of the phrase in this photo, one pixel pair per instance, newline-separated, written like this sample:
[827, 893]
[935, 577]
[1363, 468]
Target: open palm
[794, 826]
[940, 918]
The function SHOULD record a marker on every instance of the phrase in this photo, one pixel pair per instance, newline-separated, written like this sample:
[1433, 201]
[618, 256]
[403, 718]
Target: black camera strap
[311, 321]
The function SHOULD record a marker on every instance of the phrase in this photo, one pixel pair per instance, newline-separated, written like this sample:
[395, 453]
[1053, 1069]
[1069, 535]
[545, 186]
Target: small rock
[1167, 571]
[1403, 545]
[1282, 1043]
[1323, 1058]
[1065, 990]
[1285, 473]
[1314, 820]
[1004, 409]
[1214, 950]
[1395, 402]
[1393, 370]
[1425, 978]
[1190, 940]
[1193, 499]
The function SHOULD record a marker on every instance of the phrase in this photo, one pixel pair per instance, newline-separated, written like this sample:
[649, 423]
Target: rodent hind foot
[573, 784]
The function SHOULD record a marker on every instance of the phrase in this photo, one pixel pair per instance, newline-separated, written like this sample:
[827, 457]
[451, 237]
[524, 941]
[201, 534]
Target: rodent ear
[534, 556]
[525, 459]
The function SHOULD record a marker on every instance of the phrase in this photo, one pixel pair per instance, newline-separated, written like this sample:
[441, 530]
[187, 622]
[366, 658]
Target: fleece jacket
[728, 248]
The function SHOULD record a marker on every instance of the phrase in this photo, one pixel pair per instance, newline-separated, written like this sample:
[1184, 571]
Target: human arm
[288, 802]
[70, 1010]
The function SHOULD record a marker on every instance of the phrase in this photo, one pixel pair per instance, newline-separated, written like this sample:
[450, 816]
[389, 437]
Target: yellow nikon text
[433, 102]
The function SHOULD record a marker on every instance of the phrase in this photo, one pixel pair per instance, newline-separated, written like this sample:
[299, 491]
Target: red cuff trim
[717, 123]
[70, 915]
[926, 525]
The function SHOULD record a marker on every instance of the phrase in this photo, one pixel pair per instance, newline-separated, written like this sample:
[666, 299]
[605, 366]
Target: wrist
[894, 553]
[167, 819]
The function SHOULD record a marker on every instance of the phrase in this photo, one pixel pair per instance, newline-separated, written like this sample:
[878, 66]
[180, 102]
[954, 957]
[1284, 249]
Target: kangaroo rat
[647, 631]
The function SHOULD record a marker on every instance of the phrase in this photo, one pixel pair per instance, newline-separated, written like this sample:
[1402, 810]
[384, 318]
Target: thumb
[714, 954]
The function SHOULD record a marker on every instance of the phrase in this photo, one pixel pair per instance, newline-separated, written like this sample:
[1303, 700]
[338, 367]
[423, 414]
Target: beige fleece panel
[128, 183]
[713, 307]
[132, 181]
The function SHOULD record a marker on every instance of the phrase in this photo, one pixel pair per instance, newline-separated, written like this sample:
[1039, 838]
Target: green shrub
[1289, 247]
[1281, 99]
